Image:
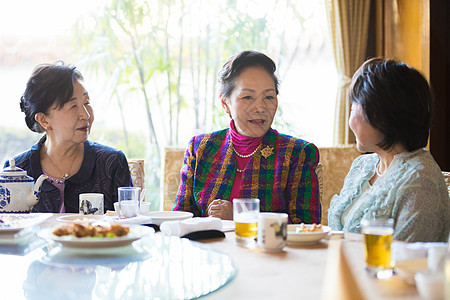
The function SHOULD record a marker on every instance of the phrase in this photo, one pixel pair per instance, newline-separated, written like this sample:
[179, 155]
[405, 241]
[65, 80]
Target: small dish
[11, 224]
[80, 218]
[161, 216]
[305, 238]
[136, 232]
[406, 269]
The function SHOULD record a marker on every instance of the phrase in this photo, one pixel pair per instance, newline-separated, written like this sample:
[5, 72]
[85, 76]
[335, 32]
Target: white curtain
[348, 23]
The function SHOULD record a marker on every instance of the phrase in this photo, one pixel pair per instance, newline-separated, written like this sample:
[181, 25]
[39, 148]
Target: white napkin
[403, 251]
[180, 228]
[140, 219]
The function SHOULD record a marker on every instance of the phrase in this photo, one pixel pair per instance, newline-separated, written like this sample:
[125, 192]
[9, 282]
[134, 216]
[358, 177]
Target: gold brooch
[266, 152]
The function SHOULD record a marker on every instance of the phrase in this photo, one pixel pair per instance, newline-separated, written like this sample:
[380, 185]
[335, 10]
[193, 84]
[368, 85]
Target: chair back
[447, 181]
[137, 172]
[170, 181]
[319, 173]
[336, 162]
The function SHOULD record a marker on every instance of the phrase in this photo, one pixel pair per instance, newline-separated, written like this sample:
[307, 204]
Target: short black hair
[240, 61]
[396, 100]
[48, 85]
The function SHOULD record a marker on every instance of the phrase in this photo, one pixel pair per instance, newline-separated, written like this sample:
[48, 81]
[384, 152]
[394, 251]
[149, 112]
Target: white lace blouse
[412, 191]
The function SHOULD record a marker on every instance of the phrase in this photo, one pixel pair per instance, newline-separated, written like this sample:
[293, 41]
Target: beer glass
[378, 235]
[245, 216]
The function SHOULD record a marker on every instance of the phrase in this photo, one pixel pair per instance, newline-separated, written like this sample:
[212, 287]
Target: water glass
[245, 216]
[128, 201]
[378, 234]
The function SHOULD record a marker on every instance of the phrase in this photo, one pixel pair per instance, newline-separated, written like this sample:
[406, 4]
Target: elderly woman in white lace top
[399, 179]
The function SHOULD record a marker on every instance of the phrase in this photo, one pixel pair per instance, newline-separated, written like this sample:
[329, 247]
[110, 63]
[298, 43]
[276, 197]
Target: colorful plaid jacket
[285, 181]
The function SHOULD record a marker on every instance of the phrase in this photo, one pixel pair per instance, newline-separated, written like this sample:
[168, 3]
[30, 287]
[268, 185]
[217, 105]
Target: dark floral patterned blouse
[103, 170]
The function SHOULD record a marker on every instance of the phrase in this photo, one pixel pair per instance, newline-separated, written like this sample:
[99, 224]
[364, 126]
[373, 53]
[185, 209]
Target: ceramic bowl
[305, 238]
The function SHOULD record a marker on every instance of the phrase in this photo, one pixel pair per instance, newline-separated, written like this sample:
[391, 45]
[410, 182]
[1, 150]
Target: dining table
[156, 266]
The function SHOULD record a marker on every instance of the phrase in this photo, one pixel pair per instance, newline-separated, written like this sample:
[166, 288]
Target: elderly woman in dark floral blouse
[56, 103]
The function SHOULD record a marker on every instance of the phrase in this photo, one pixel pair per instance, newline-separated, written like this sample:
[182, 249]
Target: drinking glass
[245, 216]
[128, 201]
[378, 234]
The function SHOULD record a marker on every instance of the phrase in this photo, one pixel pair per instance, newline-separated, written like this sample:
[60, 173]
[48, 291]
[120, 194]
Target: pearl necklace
[244, 156]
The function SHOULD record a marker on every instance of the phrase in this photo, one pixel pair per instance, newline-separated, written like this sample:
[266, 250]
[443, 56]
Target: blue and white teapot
[18, 192]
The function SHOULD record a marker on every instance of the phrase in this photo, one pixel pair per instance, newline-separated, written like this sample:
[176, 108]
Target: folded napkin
[183, 227]
[403, 251]
[140, 219]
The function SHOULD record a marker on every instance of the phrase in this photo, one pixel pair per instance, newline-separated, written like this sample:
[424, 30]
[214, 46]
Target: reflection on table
[153, 267]
[173, 268]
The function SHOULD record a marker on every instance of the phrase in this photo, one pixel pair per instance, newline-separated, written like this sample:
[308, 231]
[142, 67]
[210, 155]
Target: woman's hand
[222, 209]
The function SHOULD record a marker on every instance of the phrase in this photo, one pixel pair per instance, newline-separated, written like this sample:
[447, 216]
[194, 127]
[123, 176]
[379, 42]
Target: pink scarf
[244, 145]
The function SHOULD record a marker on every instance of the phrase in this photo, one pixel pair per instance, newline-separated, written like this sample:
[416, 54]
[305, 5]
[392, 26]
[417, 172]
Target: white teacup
[91, 204]
[272, 231]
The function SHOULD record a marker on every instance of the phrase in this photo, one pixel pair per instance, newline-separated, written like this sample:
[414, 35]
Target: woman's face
[72, 122]
[253, 103]
[367, 137]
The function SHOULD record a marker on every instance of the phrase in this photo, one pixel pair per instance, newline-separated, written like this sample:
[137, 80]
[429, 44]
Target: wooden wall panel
[406, 32]
[418, 32]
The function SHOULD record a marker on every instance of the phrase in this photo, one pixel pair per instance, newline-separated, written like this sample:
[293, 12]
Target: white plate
[136, 232]
[160, 216]
[80, 218]
[13, 223]
[305, 238]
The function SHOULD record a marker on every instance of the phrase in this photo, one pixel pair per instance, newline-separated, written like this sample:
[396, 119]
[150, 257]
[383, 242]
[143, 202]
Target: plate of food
[306, 234]
[86, 235]
[77, 218]
[10, 224]
[160, 216]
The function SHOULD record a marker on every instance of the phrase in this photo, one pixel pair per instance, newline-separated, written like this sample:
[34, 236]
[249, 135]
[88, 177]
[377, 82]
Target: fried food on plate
[88, 230]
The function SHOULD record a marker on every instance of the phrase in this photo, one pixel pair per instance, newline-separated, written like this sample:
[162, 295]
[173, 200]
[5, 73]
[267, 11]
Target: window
[150, 67]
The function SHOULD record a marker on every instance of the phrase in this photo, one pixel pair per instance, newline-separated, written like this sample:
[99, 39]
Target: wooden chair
[137, 172]
[336, 164]
[170, 181]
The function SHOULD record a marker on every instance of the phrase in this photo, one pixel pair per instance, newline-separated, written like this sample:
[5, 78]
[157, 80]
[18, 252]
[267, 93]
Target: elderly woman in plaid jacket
[250, 159]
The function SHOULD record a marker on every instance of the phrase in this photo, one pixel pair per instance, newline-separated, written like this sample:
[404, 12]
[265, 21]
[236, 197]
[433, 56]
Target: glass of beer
[245, 216]
[378, 235]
